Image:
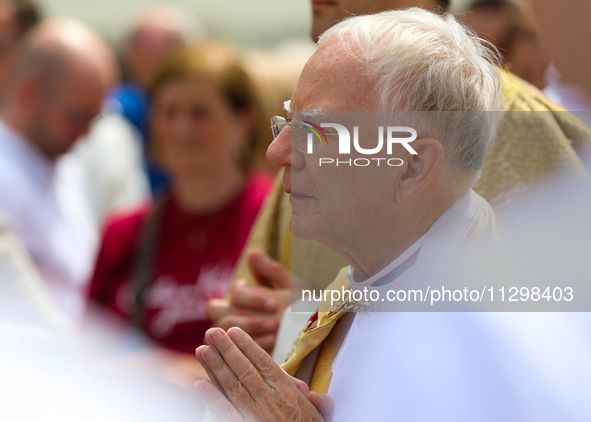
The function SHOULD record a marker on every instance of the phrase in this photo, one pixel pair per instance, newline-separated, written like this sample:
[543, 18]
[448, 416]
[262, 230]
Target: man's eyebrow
[314, 113]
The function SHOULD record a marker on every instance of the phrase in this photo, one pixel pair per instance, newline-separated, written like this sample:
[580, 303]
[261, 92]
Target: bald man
[55, 90]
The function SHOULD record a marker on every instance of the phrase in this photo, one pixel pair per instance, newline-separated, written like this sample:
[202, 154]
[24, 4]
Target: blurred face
[195, 129]
[325, 13]
[331, 204]
[61, 114]
[149, 46]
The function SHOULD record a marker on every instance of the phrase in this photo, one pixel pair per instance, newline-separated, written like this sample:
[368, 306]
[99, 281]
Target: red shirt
[193, 261]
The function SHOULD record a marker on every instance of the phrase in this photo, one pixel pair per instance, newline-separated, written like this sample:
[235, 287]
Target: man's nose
[279, 152]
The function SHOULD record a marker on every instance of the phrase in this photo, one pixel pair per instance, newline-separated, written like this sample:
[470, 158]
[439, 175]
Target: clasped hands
[245, 384]
[257, 309]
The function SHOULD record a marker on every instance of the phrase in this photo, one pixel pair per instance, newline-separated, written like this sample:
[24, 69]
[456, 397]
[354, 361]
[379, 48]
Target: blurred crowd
[136, 196]
[171, 130]
[131, 176]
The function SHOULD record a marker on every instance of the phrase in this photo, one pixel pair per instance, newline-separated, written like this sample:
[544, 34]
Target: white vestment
[46, 205]
[453, 366]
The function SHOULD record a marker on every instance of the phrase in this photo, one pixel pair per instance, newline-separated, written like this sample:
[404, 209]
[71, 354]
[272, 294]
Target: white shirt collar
[390, 272]
[443, 238]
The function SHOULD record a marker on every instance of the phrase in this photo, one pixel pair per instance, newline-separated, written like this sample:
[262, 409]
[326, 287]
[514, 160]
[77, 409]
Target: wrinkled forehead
[333, 80]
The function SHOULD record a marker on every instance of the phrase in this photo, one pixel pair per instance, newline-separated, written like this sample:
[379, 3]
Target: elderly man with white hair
[394, 225]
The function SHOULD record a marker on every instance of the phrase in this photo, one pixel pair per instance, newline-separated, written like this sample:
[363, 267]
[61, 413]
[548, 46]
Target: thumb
[323, 403]
[267, 271]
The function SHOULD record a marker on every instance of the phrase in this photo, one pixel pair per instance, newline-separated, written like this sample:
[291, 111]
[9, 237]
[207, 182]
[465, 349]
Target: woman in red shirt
[159, 265]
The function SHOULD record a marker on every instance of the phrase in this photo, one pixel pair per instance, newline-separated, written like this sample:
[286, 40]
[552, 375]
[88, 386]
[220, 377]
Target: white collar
[441, 242]
[390, 272]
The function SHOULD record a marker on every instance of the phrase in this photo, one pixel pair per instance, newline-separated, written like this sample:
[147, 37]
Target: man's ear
[419, 169]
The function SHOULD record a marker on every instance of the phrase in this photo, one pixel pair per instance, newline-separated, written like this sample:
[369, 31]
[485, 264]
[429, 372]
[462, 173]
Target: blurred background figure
[156, 33]
[112, 155]
[54, 91]
[24, 300]
[326, 13]
[159, 265]
[16, 18]
[510, 26]
[566, 35]
[274, 75]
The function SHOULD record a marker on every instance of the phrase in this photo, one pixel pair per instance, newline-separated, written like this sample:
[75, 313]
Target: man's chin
[302, 228]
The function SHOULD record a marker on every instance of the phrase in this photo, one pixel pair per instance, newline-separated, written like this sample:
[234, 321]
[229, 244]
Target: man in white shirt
[56, 89]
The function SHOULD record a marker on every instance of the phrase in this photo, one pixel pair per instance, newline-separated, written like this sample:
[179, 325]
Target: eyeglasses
[277, 125]
[305, 136]
[299, 138]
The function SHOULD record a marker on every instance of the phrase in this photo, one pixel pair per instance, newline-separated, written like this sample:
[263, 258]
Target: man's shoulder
[16, 187]
[486, 229]
[11, 169]
[536, 139]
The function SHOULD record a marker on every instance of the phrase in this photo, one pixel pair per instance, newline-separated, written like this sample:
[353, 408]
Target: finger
[264, 364]
[254, 325]
[243, 370]
[216, 402]
[210, 374]
[266, 341]
[267, 271]
[323, 403]
[254, 298]
[236, 391]
[217, 308]
[301, 385]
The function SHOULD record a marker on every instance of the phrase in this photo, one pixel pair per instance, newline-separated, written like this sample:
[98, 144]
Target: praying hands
[247, 385]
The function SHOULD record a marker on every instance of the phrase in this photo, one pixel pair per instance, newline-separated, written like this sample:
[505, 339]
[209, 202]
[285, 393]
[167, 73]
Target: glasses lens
[277, 125]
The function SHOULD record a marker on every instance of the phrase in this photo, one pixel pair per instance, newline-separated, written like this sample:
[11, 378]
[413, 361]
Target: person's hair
[420, 61]
[222, 65]
[26, 15]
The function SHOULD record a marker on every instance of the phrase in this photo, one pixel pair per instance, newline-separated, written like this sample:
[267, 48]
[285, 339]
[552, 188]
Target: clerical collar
[391, 272]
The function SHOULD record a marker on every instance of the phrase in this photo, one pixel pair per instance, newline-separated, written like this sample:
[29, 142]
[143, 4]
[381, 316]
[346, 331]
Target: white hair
[421, 61]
